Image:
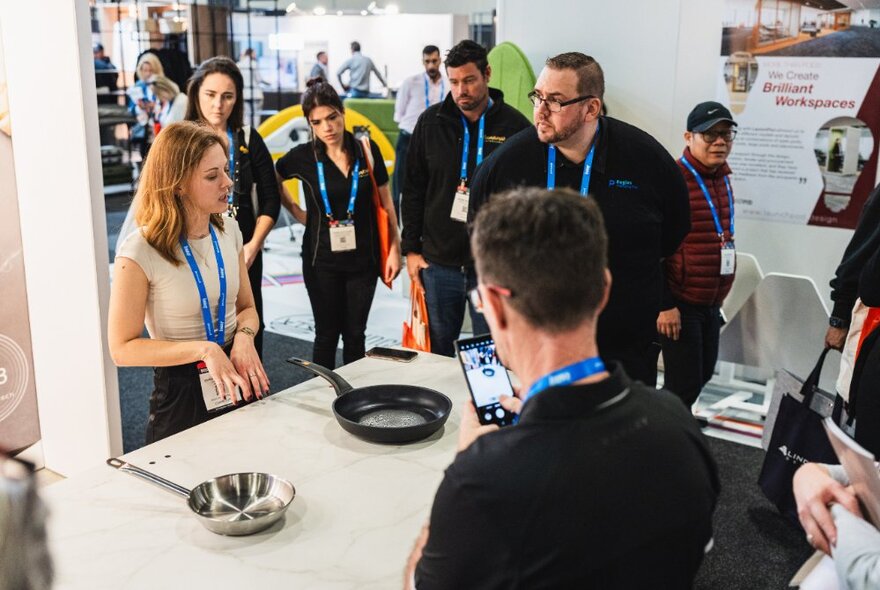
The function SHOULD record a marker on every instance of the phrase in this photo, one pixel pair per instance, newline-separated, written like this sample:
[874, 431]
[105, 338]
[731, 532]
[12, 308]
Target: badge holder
[728, 259]
[342, 237]
[461, 203]
[214, 402]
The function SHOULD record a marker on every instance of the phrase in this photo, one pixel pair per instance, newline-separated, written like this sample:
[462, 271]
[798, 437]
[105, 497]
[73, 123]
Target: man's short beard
[565, 133]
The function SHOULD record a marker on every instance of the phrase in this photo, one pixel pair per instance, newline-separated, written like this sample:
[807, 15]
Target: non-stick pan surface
[236, 504]
[384, 413]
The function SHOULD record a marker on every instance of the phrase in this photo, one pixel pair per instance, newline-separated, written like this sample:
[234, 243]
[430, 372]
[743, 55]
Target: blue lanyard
[229, 197]
[465, 150]
[427, 91]
[706, 194]
[588, 166]
[567, 375]
[220, 336]
[322, 184]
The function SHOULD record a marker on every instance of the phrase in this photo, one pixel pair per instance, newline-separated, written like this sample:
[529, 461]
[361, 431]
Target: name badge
[213, 400]
[728, 259]
[460, 204]
[342, 238]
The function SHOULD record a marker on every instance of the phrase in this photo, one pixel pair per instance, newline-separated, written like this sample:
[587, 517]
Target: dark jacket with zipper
[693, 273]
[433, 174]
[301, 163]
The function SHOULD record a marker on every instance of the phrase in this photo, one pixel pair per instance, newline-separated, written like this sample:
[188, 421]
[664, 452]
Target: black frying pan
[384, 413]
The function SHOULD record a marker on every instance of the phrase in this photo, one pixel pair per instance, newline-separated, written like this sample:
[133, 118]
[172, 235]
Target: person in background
[183, 273]
[143, 101]
[253, 91]
[359, 68]
[636, 183]
[320, 70]
[448, 143]
[216, 99]
[604, 482]
[341, 245]
[700, 273]
[829, 513]
[106, 76]
[415, 94]
[172, 103]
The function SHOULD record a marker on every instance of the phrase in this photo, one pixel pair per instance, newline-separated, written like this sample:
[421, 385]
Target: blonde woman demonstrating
[183, 275]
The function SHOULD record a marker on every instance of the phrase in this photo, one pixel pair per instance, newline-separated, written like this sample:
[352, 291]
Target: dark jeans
[341, 303]
[690, 361]
[400, 151]
[446, 291]
[255, 274]
[637, 355]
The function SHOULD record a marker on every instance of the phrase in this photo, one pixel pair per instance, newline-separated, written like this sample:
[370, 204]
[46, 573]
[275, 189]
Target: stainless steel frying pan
[237, 504]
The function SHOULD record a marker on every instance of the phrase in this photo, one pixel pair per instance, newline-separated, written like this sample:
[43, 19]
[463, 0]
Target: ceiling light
[320, 11]
[290, 7]
[392, 9]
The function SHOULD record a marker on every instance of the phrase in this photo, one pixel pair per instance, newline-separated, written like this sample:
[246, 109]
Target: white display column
[54, 117]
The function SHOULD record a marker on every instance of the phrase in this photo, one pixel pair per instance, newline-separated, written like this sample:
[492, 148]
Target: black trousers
[177, 402]
[864, 393]
[400, 151]
[341, 302]
[255, 274]
[689, 362]
[638, 356]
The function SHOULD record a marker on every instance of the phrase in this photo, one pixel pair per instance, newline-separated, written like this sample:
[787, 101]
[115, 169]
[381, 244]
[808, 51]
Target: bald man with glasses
[634, 180]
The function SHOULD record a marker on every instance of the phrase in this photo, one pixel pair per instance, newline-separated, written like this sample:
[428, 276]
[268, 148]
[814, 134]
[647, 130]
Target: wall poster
[19, 422]
[802, 78]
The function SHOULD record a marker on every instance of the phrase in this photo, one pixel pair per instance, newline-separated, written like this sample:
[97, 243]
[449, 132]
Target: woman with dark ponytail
[341, 246]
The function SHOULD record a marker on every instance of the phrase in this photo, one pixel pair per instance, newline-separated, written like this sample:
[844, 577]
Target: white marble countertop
[358, 508]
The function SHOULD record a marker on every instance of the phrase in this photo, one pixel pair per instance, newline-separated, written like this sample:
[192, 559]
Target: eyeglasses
[712, 136]
[477, 299]
[554, 106]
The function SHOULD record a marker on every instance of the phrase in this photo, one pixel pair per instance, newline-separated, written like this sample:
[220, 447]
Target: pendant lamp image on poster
[740, 73]
[842, 147]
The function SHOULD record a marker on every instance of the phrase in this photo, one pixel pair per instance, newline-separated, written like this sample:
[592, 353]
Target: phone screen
[486, 377]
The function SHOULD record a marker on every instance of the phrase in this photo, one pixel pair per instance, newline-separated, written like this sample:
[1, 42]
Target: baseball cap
[707, 114]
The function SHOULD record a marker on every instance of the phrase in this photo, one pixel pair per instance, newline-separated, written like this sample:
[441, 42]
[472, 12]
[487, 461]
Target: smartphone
[486, 377]
[392, 354]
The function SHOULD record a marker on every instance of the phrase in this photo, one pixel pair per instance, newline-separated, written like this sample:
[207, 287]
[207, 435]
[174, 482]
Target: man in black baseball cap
[700, 273]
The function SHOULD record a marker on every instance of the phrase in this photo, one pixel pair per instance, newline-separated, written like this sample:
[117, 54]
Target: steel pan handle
[147, 476]
[339, 384]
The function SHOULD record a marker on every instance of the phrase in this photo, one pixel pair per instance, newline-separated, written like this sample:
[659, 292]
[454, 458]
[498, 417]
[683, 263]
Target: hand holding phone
[487, 379]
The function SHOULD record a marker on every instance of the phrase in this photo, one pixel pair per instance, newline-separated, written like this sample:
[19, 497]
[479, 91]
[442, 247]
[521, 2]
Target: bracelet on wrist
[246, 330]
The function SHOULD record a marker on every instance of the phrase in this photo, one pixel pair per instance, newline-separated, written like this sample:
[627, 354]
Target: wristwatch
[836, 322]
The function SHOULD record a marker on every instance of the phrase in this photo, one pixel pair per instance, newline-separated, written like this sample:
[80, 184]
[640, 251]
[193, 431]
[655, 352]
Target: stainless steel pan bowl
[237, 504]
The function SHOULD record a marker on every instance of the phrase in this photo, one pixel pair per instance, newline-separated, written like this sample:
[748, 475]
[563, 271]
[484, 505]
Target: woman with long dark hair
[341, 244]
[215, 93]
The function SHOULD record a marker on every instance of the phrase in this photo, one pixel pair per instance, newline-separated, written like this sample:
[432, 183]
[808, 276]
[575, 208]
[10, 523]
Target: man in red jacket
[700, 273]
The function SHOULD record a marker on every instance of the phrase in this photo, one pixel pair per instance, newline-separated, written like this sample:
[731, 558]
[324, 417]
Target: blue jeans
[446, 292]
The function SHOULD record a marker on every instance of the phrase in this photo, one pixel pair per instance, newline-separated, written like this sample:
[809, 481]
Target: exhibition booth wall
[659, 60]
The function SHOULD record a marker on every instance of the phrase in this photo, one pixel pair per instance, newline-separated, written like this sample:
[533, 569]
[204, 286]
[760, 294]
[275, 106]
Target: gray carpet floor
[853, 42]
[755, 548]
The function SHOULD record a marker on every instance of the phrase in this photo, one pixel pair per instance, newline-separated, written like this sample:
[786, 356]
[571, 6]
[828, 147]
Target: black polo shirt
[644, 201]
[301, 163]
[577, 497]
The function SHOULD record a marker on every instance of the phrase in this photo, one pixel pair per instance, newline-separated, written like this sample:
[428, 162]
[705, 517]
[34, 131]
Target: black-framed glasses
[727, 135]
[477, 299]
[553, 105]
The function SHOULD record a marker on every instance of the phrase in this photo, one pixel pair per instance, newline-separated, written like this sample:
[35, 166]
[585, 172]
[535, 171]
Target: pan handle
[339, 384]
[147, 476]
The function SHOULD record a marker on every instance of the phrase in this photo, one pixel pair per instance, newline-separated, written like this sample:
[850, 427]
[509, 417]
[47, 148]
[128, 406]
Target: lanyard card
[213, 400]
[460, 204]
[342, 238]
[728, 259]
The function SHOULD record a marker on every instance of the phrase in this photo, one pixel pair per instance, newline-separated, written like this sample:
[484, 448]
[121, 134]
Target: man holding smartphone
[603, 480]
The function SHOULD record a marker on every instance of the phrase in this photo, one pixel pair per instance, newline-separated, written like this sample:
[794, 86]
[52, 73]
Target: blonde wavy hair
[159, 210]
[154, 62]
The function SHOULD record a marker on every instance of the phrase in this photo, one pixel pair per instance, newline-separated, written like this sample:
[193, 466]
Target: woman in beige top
[173, 274]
